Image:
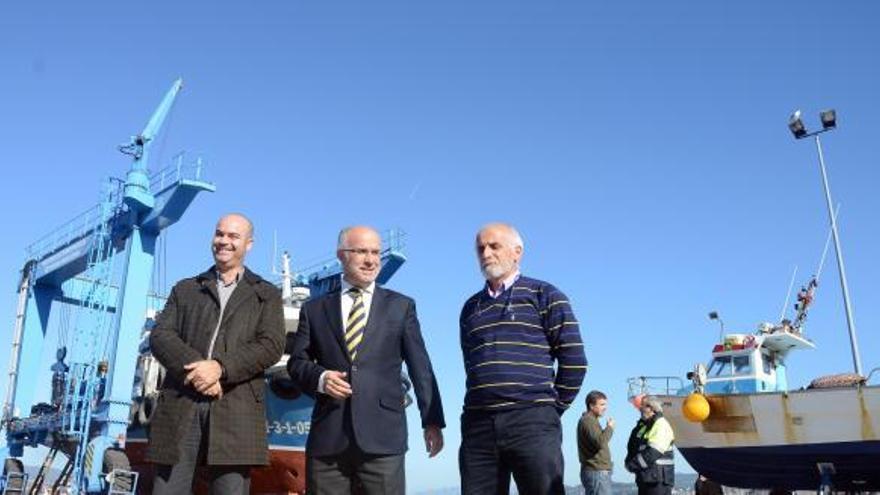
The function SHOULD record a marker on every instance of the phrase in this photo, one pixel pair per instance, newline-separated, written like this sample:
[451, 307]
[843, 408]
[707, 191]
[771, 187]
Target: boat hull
[791, 467]
[285, 474]
[777, 440]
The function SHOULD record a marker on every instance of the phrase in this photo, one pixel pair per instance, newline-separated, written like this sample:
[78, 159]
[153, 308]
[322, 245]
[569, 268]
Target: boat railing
[654, 385]
[871, 375]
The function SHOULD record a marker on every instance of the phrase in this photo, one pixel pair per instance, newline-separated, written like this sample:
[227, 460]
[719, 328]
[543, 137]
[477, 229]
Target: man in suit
[216, 336]
[347, 353]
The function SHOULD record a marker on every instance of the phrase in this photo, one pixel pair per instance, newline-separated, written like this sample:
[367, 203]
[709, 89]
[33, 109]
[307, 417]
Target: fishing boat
[738, 422]
[758, 433]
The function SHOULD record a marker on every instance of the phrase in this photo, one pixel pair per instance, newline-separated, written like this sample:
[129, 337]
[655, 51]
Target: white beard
[496, 270]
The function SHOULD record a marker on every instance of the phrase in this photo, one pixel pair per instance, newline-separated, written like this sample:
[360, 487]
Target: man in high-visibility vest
[650, 451]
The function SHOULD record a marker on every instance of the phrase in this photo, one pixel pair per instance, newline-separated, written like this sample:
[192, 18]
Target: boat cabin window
[720, 366]
[768, 368]
[742, 365]
[730, 365]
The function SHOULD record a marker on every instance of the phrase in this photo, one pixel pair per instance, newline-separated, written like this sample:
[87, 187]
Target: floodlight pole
[857, 363]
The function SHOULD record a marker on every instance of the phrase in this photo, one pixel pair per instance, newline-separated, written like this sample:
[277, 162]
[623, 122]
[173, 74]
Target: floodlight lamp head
[796, 125]
[829, 119]
[713, 315]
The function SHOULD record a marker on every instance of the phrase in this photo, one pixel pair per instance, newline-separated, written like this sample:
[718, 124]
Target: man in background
[650, 454]
[593, 451]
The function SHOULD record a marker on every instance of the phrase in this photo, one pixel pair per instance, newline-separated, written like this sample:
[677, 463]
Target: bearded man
[513, 331]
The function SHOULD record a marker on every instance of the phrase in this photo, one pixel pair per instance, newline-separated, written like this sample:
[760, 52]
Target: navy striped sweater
[522, 348]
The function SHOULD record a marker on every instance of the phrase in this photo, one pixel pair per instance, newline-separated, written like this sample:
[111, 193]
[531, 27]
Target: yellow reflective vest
[655, 454]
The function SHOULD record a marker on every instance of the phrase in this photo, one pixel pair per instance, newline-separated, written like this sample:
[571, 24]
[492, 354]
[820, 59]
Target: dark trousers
[355, 472]
[654, 489]
[177, 479]
[525, 443]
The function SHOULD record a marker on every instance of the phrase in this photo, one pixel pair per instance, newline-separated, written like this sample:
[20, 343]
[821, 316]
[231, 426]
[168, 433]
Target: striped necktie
[355, 323]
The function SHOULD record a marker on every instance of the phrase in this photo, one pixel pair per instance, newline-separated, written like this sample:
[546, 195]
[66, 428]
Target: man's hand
[610, 423]
[336, 385]
[203, 374]
[215, 391]
[433, 440]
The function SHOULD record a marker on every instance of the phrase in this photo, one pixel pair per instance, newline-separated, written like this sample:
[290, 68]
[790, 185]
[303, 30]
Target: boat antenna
[827, 245]
[818, 270]
[788, 294]
[713, 315]
[286, 278]
[808, 293]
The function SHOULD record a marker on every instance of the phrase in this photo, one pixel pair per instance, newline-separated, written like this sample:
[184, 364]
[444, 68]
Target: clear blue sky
[641, 148]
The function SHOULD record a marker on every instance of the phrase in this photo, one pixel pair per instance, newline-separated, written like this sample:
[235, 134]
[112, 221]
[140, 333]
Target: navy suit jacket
[373, 417]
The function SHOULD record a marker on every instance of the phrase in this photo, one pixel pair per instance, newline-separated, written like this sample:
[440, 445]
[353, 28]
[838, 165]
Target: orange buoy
[695, 408]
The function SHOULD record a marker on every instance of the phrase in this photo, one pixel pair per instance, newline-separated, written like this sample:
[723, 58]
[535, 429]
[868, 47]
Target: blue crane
[93, 273]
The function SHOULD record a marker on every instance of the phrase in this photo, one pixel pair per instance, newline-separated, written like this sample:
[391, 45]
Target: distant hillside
[453, 490]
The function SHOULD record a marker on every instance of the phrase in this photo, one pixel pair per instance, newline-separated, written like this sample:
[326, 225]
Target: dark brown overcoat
[250, 340]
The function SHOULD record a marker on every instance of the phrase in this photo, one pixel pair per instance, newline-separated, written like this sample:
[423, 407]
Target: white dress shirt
[506, 284]
[346, 301]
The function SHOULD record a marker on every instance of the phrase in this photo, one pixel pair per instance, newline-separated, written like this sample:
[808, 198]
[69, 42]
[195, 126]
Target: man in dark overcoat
[216, 336]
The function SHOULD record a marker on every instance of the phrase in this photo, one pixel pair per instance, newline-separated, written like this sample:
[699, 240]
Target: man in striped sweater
[525, 362]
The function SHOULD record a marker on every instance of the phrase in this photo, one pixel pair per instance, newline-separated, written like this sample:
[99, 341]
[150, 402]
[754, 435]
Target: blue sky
[640, 147]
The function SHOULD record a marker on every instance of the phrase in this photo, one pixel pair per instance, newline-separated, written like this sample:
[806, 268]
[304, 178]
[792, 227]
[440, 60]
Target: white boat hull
[777, 440]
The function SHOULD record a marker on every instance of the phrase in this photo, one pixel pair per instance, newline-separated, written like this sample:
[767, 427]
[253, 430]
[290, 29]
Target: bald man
[216, 336]
[348, 353]
[525, 363]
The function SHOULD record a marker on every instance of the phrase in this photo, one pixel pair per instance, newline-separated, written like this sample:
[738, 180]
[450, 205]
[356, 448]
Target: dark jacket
[373, 416]
[650, 465]
[250, 339]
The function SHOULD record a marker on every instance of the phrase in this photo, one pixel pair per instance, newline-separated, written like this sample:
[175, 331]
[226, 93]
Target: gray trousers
[596, 482]
[356, 472]
[177, 479]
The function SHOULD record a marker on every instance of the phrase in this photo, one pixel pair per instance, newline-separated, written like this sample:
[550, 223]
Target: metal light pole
[829, 122]
[713, 315]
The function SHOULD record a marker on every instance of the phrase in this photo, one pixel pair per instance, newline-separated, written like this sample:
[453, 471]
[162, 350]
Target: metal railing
[84, 223]
[178, 171]
[75, 229]
[393, 240]
[653, 385]
[875, 371]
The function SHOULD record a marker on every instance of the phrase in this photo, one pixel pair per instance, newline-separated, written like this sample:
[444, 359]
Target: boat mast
[286, 278]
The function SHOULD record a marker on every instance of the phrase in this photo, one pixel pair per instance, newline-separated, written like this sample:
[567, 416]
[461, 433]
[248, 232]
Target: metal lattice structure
[94, 271]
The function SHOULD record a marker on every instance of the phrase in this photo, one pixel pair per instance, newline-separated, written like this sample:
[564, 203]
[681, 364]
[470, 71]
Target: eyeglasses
[363, 251]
